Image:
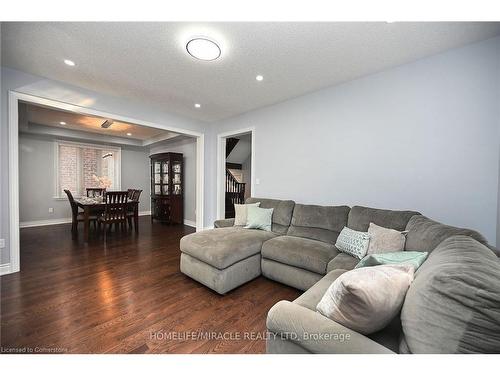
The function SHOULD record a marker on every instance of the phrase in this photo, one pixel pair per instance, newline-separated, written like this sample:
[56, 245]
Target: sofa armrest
[316, 333]
[223, 223]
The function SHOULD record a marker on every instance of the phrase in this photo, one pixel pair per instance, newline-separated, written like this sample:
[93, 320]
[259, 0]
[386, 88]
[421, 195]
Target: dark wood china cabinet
[167, 187]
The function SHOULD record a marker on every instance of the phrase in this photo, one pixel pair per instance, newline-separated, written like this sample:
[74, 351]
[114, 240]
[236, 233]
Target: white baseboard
[5, 269]
[42, 223]
[190, 223]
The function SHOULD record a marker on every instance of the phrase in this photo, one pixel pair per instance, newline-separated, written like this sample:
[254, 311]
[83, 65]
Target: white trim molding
[13, 128]
[43, 223]
[190, 223]
[5, 269]
[14, 181]
[221, 166]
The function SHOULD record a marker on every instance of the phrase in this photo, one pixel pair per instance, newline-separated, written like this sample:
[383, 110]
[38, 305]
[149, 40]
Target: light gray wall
[421, 136]
[37, 179]
[30, 84]
[135, 174]
[187, 147]
[246, 167]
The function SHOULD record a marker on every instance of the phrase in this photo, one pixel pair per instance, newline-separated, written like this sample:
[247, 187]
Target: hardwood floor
[127, 296]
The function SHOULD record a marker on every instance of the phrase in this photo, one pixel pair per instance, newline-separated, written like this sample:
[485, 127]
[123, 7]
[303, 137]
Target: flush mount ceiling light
[197, 105]
[259, 78]
[62, 123]
[69, 62]
[203, 49]
[129, 134]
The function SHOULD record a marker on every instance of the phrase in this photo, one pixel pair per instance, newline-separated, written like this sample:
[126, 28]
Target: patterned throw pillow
[353, 242]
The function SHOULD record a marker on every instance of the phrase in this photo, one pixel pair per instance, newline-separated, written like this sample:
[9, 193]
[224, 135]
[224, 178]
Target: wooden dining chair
[77, 216]
[115, 210]
[95, 192]
[130, 193]
[134, 196]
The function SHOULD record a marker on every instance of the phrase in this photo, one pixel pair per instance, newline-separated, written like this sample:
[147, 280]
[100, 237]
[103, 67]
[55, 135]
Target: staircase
[235, 193]
[235, 188]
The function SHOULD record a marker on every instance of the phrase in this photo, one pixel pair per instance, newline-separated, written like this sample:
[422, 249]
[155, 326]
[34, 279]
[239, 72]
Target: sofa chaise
[300, 251]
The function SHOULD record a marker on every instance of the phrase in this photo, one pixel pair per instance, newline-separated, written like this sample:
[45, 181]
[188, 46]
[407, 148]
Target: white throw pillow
[385, 240]
[353, 242]
[367, 299]
[241, 211]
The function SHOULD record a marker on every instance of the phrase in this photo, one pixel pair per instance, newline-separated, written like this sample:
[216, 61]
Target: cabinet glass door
[176, 180]
[157, 177]
[165, 171]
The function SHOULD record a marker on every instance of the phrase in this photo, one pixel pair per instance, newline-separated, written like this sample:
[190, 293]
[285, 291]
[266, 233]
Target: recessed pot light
[259, 78]
[62, 123]
[197, 105]
[129, 134]
[203, 49]
[69, 62]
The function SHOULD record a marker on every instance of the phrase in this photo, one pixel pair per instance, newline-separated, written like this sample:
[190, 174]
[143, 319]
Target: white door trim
[15, 97]
[221, 166]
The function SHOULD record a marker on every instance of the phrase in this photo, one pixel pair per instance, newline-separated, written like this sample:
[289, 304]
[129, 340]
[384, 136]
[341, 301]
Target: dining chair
[95, 192]
[77, 216]
[115, 210]
[134, 196]
[130, 193]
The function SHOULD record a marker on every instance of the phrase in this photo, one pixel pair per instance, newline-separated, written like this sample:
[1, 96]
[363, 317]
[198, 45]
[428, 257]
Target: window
[80, 166]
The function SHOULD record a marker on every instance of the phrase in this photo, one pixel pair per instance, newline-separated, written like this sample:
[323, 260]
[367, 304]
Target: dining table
[93, 204]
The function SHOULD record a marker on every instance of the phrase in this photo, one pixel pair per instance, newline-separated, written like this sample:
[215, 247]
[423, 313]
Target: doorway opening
[235, 161]
[16, 99]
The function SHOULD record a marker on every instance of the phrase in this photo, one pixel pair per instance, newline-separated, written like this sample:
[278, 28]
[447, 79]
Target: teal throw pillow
[414, 258]
[259, 218]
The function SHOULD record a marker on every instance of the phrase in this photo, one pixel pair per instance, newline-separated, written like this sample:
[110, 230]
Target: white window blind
[80, 166]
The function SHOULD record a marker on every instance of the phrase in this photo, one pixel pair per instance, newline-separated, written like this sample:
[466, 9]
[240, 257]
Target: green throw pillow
[259, 218]
[414, 258]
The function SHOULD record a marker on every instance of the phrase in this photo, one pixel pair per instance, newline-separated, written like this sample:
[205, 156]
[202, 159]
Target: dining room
[96, 176]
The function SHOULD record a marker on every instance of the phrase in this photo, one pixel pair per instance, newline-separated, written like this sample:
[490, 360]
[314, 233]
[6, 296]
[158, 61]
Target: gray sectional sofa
[300, 252]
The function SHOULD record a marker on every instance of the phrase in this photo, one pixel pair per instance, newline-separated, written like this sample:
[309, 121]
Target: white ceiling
[148, 61]
[39, 115]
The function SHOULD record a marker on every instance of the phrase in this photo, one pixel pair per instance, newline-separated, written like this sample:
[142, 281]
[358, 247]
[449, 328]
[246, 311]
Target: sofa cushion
[413, 258]
[425, 234]
[223, 247]
[311, 297]
[299, 252]
[388, 337]
[223, 223]
[322, 223]
[342, 261]
[361, 217]
[453, 305]
[259, 218]
[385, 240]
[367, 299]
[241, 212]
[282, 214]
[353, 242]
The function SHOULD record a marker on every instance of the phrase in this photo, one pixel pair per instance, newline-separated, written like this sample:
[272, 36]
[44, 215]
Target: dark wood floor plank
[114, 298]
